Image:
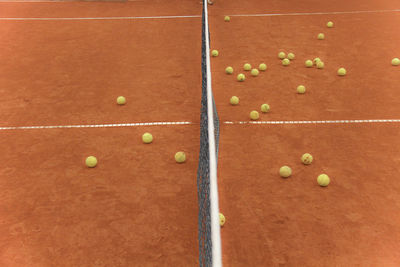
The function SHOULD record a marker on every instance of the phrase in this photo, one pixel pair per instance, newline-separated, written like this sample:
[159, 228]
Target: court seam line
[315, 13]
[109, 125]
[315, 122]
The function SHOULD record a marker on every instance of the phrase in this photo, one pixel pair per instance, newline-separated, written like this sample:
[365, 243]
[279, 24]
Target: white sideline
[316, 122]
[97, 125]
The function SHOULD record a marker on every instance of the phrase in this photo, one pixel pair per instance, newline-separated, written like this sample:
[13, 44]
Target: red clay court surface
[138, 207]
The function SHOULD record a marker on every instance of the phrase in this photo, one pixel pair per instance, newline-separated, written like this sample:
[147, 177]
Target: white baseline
[316, 122]
[137, 124]
[315, 13]
[106, 18]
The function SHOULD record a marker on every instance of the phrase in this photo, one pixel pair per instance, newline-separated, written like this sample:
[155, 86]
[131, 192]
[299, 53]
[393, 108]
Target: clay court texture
[64, 63]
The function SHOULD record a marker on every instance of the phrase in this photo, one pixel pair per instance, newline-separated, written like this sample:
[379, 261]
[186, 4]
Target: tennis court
[63, 65]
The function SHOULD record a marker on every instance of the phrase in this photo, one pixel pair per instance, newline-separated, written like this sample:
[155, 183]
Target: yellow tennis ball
[320, 65]
[285, 62]
[91, 161]
[329, 24]
[395, 61]
[265, 108]
[301, 89]
[222, 219]
[180, 157]
[306, 159]
[229, 70]
[234, 100]
[341, 72]
[262, 67]
[121, 100]
[281, 55]
[290, 56]
[316, 60]
[285, 171]
[309, 63]
[147, 138]
[227, 18]
[323, 180]
[247, 66]
[241, 77]
[321, 36]
[254, 72]
[214, 53]
[254, 115]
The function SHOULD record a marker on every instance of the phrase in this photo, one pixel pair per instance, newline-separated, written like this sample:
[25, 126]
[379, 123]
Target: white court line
[58, 1]
[315, 122]
[315, 13]
[138, 124]
[199, 16]
[108, 18]
[97, 125]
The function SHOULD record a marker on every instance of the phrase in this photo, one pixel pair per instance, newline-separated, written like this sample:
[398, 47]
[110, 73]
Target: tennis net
[207, 188]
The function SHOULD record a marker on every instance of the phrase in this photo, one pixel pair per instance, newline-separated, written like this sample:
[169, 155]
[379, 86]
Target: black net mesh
[203, 175]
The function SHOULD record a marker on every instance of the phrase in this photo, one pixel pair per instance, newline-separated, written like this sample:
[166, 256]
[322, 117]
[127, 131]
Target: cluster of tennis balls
[147, 138]
[286, 59]
[247, 67]
[315, 62]
[322, 179]
[320, 65]
[254, 115]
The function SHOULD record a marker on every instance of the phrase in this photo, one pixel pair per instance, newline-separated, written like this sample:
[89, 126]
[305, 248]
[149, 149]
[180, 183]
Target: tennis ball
[306, 159]
[323, 180]
[316, 60]
[262, 67]
[180, 157]
[229, 70]
[91, 161]
[234, 100]
[285, 62]
[214, 53]
[285, 171]
[254, 72]
[395, 61]
[121, 100]
[309, 63]
[290, 56]
[264, 108]
[241, 77]
[301, 89]
[254, 115]
[321, 36]
[247, 66]
[227, 18]
[341, 72]
[281, 55]
[329, 24]
[147, 138]
[320, 65]
[222, 219]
